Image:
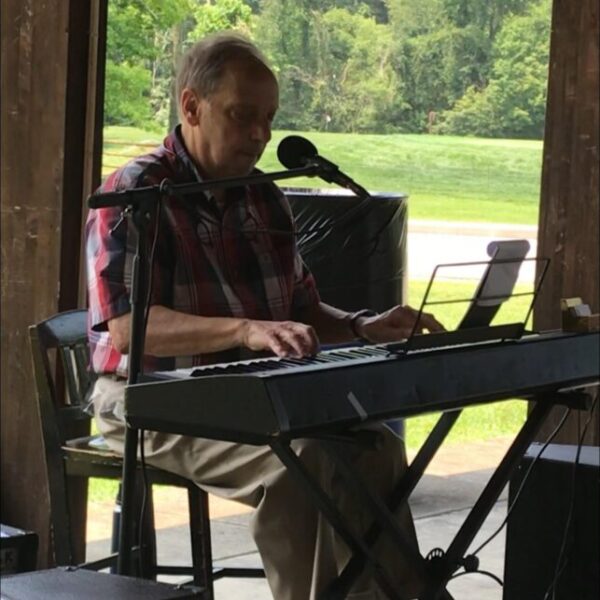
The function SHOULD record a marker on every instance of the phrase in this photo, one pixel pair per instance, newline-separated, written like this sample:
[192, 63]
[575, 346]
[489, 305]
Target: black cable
[141, 431]
[151, 263]
[522, 484]
[478, 572]
[144, 500]
[559, 569]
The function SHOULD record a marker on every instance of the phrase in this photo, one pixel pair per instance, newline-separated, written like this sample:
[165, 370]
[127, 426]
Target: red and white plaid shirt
[242, 262]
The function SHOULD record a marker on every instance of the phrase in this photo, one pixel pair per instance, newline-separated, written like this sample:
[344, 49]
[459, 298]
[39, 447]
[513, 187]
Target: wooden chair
[71, 457]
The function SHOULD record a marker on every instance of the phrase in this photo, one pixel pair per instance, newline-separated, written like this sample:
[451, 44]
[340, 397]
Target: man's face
[228, 130]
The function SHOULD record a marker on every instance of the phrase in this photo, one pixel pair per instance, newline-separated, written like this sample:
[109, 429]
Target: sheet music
[498, 281]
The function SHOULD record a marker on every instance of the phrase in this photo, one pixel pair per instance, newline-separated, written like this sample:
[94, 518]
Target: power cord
[567, 530]
[145, 487]
[522, 484]
[470, 563]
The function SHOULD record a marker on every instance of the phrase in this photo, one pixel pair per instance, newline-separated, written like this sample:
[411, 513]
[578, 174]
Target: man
[227, 279]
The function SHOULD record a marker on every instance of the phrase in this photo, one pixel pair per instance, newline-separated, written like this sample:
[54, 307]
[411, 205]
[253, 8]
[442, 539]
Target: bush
[127, 95]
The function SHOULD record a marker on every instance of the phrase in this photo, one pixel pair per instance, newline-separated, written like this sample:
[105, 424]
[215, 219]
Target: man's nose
[261, 131]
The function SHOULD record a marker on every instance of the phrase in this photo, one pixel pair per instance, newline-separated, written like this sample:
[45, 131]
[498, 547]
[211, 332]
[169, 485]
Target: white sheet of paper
[501, 277]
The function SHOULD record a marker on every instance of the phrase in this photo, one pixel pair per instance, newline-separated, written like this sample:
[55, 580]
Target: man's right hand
[283, 338]
[172, 333]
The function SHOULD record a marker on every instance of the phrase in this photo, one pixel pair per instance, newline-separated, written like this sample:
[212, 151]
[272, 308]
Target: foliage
[475, 67]
[126, 101]
[357, 87]
[513, 103]
[222, 15]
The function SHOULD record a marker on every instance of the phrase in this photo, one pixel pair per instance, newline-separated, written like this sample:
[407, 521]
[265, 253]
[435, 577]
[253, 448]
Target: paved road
[431, 243]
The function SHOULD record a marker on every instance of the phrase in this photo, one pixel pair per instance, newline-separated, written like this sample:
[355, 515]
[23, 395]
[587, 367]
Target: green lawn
[447, 178]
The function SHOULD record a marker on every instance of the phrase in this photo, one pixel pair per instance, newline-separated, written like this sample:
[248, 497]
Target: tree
[287, 35]
[444, 48]
[513, 103]
[221, 15]
[135, 71]
[357, 86]
[145, 41]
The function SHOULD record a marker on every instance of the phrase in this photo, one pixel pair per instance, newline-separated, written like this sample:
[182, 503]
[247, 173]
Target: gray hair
[203, 65]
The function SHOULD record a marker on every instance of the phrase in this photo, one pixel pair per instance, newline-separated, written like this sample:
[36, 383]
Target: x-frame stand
[434, 574]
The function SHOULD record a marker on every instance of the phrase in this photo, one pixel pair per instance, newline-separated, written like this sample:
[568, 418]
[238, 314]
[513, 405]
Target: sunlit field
[447, 178]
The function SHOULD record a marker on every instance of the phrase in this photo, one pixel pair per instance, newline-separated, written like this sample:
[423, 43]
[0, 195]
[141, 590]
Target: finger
[313, 343]
[422, 321]
[429, 322]
[300, 339]
[279, 345]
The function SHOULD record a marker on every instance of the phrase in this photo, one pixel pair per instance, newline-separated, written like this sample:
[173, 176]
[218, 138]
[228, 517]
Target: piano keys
[253, 401]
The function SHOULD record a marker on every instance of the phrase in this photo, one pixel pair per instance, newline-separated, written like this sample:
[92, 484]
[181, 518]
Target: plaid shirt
[242, 262]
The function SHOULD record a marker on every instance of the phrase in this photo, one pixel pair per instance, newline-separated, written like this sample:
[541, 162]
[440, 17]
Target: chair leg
[200, 538]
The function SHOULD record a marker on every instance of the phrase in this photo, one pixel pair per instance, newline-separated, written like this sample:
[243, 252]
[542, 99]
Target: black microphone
[295, 151]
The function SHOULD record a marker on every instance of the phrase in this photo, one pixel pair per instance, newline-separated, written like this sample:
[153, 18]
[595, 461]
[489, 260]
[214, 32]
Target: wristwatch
[353, 321]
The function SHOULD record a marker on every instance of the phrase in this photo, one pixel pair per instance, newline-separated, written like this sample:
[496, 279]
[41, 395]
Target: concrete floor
[440, 504]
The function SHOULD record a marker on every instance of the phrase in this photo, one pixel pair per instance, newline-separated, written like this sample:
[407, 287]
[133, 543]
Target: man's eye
[241, 115]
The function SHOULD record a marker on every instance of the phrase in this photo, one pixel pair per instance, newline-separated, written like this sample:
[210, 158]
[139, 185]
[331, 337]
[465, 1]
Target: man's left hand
[395, 324]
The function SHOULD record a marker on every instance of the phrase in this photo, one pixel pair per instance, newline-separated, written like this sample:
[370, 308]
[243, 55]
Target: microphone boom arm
[331, 173]
[136, 196]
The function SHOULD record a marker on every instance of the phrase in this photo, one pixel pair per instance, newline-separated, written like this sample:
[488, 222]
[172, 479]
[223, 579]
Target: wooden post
[46, 47]
[569, 217]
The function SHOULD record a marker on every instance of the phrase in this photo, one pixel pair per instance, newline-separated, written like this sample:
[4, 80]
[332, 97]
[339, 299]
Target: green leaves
[474, 67]
[219, 16]
[513, 103]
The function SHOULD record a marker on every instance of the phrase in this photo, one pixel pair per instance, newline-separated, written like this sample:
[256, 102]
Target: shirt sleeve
[110, 249]
[305, 287]
[107, 268]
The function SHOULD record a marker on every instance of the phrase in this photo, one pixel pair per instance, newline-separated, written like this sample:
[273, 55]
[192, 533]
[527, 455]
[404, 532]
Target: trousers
[300, 551]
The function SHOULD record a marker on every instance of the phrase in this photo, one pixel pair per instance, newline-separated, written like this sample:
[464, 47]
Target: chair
[70, 457]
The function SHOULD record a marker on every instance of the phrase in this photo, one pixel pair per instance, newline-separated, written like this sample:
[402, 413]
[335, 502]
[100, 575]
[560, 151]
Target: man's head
[228, 97]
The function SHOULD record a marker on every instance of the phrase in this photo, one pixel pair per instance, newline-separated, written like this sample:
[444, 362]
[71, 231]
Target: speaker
[18, 550]
[536, 526]
[355, 249]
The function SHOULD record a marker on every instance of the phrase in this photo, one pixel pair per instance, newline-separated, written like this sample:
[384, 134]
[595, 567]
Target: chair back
[59, 351]
[59, 345]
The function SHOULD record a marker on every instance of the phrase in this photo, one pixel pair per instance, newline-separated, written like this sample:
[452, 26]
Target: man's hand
[283, 338]
[395, 324]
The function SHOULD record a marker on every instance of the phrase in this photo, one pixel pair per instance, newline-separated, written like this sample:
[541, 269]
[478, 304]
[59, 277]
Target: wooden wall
[49, 110]
[569, 217]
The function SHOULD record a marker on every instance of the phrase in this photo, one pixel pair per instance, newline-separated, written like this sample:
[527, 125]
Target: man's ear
[190, 107]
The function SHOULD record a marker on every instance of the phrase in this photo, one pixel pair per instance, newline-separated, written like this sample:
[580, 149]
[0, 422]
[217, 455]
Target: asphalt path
[432, 243]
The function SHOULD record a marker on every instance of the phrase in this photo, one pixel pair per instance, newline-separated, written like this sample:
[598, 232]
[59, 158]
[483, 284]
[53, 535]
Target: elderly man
[227, 281]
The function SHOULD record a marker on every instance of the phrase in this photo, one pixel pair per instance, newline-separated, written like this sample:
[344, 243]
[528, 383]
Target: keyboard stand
[435, 573]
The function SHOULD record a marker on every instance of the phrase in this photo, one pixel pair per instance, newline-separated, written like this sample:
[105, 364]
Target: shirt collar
[175, 142]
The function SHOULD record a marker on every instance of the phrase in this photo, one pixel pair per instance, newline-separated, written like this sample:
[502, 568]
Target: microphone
[295, 151]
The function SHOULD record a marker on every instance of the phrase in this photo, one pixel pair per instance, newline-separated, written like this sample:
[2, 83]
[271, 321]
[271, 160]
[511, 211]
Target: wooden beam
[569, 213]
[45, 49]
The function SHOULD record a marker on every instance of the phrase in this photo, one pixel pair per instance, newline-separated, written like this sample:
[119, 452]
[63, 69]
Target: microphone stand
[168, 188]
[140, 205]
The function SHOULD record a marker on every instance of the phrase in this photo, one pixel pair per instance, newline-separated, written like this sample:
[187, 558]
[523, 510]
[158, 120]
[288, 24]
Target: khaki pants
[301, 553]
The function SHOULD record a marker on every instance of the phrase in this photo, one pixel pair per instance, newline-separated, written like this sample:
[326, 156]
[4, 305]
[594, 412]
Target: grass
[447, 178]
